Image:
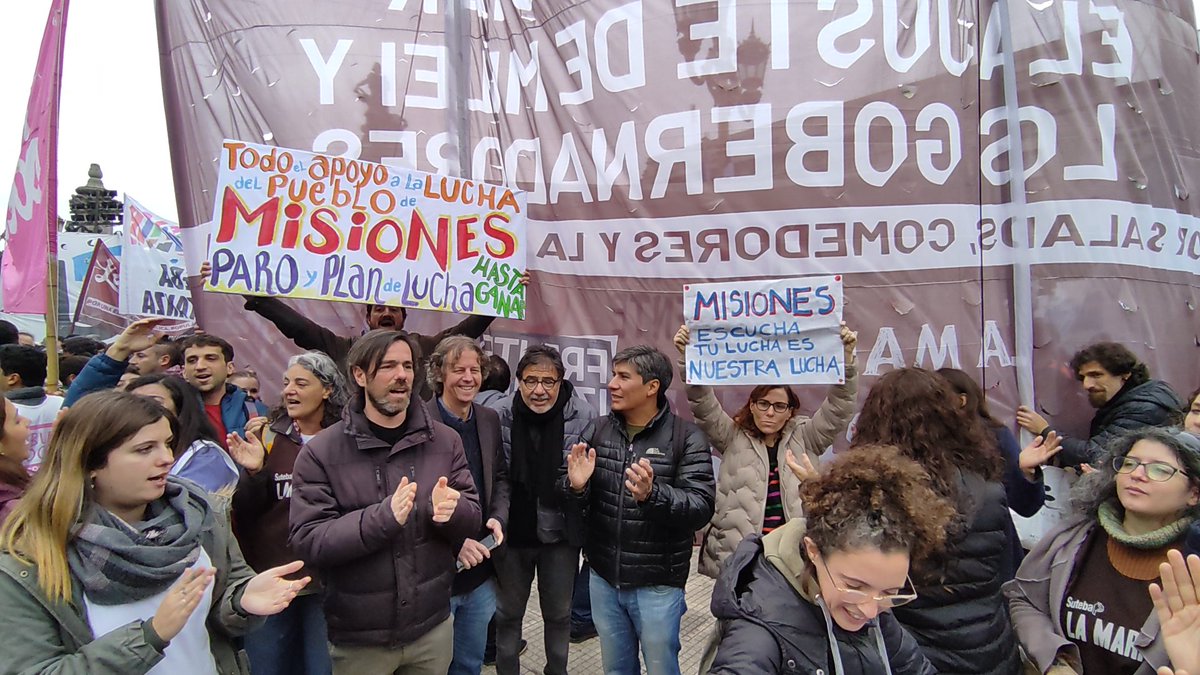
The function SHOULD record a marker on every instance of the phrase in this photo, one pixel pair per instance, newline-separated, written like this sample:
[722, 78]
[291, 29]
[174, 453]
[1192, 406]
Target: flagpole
[52, 378]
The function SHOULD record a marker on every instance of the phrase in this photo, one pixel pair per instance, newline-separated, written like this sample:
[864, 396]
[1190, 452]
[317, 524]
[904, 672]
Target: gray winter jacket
[551, 519]
[1035, 599]
[38, 635]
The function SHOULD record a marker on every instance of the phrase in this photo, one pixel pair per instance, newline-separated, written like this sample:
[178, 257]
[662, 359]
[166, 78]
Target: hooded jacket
[1150, 404]
[745, 467]
[631, 544]
[1035, 600]
[38, 635]
[769, 619]
[386, 584]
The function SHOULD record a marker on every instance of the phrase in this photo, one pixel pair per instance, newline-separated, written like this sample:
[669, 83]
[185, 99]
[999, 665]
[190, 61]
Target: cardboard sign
[302, 225]
[777, 331]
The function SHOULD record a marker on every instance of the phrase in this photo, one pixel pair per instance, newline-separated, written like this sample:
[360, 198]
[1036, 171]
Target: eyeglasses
[1158, 472]
[764, 405]
[547, 383]
[886, 601]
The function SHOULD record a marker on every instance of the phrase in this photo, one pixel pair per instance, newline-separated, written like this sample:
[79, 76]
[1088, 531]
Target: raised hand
[639, 479]
[849, 342]
[255, 425]
[248, 452]
[1039, 452]
[803, 469]
[136, 337]
[1030, 420]
[445, 500]
[183, 598]
[270, 593]
[682, 336]
[403, 499]
[1177, 602]
[581, 462]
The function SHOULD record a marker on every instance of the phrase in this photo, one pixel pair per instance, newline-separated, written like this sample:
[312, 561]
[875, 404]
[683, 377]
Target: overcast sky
[112, 111]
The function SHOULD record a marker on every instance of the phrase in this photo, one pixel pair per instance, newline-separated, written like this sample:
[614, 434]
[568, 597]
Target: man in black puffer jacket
[1119, 387]
[643, 481]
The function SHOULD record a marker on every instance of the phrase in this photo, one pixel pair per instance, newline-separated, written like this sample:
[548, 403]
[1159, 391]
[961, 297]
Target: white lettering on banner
[886, 352]
[812, 158]
[867, 239]
[775, 331]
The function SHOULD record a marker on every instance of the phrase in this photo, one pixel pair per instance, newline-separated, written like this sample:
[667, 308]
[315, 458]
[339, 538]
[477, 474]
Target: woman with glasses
[1080, 602]
[960, 620]
[753, 495]
[814, 595]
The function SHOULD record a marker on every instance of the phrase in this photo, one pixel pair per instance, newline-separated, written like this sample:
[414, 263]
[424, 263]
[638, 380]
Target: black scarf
[534, 466]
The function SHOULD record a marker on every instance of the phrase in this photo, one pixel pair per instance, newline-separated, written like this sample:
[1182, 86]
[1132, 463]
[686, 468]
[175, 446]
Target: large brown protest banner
[668, 142]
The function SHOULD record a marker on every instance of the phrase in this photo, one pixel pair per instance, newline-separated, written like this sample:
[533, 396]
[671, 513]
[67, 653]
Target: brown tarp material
[662, 144]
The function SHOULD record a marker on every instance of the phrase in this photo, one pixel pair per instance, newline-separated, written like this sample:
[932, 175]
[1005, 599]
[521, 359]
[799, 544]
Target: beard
[389, 408]
[1097, 398]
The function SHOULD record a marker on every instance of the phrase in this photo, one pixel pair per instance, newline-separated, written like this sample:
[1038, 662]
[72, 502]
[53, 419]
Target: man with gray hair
[642, 480]
[457, 369]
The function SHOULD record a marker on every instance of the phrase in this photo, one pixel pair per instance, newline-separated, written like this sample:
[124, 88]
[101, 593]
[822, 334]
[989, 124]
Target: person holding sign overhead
[308, 334]
[754, 496]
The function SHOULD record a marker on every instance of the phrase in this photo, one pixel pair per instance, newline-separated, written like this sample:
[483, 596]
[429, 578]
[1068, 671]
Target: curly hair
[1099, 486]
[745, 419]
[874, 496]
[1113, 357]
[917, 411]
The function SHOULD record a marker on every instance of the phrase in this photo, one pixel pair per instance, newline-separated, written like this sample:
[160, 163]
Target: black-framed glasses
[764, 405]
[885, 601]
[547, 383]
[1159, 472]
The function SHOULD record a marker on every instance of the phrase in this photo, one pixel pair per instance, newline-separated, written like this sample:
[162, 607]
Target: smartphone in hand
[489, 542]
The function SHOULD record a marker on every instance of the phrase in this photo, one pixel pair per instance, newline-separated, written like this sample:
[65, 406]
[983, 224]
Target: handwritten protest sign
[152, 282]
[777, 331]
[298, 224]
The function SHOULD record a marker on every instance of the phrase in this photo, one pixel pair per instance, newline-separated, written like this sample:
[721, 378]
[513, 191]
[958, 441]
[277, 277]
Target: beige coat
[742, 482]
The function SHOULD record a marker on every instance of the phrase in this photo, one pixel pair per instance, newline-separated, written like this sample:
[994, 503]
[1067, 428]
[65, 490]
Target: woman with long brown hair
[959, 618]
[14, 449]
[112, 565]
[754, 494]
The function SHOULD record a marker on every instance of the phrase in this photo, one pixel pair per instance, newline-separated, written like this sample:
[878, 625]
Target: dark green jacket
[41, 636]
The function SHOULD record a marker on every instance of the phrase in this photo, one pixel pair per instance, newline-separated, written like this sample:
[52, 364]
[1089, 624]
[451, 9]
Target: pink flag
[31, 223]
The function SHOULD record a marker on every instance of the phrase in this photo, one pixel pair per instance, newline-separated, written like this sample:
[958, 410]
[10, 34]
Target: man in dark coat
[642, 479]
[381, 503]
[1118, 385]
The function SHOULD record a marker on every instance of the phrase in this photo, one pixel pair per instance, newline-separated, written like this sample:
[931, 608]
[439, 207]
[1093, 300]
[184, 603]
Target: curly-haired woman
[1080, 602]
[960, 618]
[815, 594]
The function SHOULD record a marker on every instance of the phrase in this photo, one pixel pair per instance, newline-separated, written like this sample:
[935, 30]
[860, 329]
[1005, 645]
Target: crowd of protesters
[393, 512]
